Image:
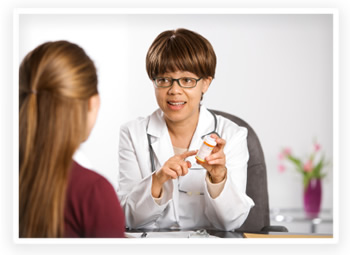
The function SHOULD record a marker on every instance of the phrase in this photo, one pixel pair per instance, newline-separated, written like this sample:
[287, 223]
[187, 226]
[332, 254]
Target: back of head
[181, 50]
[56, 81]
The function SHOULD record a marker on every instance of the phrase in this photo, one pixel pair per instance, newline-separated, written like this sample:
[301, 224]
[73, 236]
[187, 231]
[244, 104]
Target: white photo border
[83, 11]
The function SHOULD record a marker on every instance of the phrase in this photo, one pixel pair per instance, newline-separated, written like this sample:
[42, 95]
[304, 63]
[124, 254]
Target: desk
[223, 234]
[171, 233]
[284, 235]
[178, 233]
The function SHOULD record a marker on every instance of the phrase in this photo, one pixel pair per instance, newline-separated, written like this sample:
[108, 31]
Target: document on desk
[173, 234]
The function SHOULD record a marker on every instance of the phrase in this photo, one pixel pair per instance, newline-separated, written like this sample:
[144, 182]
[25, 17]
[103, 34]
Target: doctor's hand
[175, 166]
[215, 163]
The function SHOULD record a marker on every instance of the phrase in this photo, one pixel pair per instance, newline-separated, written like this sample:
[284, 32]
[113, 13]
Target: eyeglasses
[184, 82]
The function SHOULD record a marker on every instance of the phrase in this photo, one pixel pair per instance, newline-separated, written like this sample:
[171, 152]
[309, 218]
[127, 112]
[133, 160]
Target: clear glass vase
[312, 198]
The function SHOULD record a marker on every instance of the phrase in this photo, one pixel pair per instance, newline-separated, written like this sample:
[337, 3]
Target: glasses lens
[188, 82]
[163, 82]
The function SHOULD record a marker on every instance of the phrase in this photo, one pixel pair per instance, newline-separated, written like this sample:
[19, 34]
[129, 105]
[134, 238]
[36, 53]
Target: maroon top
[92, 207]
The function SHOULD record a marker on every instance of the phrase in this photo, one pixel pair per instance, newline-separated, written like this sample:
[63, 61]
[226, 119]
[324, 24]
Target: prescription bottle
[206, 148]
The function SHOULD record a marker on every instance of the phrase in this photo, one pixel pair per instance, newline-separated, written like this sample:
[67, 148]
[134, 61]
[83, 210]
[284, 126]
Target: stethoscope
[151, 152]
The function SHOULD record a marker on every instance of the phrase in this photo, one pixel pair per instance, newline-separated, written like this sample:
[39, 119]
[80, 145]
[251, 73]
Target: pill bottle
[206, 148]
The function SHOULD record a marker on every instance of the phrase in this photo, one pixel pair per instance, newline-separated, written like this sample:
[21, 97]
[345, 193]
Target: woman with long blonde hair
[58, 106]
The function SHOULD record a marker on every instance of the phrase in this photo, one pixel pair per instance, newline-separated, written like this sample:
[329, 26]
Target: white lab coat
[228, 211]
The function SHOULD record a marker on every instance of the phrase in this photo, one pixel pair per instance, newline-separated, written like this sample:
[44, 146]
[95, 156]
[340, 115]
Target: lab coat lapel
[163, 149]
[204, 126]
[160, 139]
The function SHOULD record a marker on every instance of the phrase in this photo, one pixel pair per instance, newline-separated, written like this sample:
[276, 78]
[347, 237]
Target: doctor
[161, 185]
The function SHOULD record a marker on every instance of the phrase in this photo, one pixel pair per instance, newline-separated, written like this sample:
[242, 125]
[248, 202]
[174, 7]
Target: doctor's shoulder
[140, 124]
[135, 130]
[230, 130]
[134, 124]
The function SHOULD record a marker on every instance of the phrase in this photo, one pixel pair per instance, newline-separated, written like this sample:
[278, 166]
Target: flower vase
[312, 198]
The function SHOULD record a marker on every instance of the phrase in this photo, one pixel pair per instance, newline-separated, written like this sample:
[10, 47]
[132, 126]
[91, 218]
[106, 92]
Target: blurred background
[275, 71]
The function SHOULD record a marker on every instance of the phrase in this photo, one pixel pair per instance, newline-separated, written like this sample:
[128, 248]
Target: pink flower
[281, 156]
[281, 168]
[308, 166]
[287, 151]
[317, 146]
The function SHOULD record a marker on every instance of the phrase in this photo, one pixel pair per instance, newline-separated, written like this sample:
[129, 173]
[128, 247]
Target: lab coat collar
[204, 126]
[160, 139]
[157, 126]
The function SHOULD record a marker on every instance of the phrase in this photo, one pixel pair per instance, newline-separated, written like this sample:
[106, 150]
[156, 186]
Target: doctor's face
[180, 104]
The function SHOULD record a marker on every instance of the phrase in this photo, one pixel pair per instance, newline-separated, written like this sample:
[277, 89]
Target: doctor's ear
[210, 79]
[206, 83]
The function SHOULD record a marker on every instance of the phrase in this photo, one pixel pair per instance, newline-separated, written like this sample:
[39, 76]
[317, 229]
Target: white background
[6, 211]
[274, 71]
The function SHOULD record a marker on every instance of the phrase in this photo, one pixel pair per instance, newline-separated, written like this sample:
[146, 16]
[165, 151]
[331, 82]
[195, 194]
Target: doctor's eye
[163, 81]
[188, 82]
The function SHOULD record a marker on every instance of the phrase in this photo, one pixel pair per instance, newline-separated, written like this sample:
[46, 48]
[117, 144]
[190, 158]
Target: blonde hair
[56, 81]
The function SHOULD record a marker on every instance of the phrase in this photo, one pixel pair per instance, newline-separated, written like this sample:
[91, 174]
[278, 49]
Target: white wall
[274, 71]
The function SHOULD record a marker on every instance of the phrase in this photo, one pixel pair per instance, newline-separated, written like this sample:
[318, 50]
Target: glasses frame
[177, 80]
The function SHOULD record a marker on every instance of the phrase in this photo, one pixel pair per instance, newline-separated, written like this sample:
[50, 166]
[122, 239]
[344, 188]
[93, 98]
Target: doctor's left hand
[215, 163]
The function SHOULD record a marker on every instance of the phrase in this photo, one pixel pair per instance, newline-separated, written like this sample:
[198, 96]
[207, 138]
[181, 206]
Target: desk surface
[285, 235]
[171, 233]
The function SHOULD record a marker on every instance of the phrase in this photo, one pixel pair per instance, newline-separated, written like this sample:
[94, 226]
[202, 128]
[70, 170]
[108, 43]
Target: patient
[58, 106]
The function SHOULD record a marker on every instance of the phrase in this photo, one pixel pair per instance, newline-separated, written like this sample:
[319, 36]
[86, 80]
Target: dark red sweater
[92, 207]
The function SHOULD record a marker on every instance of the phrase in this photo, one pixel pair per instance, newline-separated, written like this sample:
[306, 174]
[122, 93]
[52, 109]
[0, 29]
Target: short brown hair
[181, 50]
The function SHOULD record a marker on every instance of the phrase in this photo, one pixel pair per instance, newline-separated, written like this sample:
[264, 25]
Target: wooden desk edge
[252, 235]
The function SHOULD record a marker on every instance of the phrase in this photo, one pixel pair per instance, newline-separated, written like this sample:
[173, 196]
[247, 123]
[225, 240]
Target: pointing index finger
[188, 154]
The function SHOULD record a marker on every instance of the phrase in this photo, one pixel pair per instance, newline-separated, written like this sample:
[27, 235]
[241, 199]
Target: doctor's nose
[175, 88]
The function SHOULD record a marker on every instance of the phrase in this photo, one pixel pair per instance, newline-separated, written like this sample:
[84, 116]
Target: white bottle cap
[209, 140]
